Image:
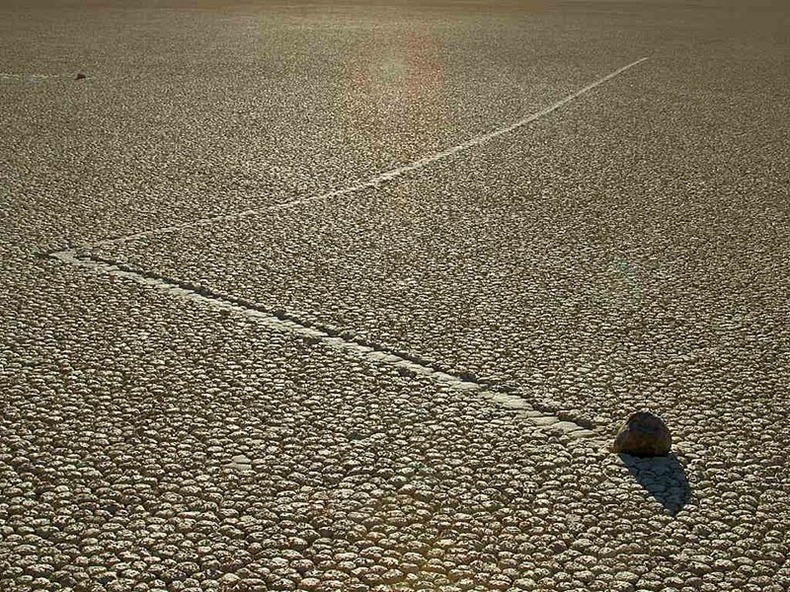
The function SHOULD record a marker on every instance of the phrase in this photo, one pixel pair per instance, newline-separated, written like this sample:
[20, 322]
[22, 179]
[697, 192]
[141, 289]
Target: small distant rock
[80, 76]
[644, 434]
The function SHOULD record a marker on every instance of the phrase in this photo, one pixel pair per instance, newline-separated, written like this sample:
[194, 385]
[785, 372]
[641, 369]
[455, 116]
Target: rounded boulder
[644, 434]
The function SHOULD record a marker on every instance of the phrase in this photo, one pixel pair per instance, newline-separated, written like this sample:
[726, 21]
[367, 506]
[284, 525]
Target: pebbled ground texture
[408, 386]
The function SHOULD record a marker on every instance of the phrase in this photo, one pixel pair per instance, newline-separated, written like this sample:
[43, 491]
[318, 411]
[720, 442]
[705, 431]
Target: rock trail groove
[382, 177]
[535, 411]
[538, 413]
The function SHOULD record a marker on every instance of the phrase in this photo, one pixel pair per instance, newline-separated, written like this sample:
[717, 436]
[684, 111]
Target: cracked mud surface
[630, 250]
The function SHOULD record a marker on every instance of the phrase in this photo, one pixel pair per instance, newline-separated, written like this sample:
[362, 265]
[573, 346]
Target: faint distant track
[32, 76]
[407, 363]
[380, 178]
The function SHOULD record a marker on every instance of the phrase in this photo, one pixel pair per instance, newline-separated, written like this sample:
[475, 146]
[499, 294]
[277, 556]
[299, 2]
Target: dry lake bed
[354, 296]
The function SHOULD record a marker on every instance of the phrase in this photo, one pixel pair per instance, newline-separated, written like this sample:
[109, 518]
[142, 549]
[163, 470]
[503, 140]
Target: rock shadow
[663, 477]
